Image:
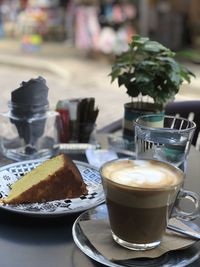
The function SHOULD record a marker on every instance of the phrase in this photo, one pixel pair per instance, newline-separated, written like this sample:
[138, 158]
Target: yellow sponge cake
[56, 178]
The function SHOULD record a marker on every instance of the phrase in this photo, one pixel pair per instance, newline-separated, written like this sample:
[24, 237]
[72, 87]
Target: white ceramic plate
[12, 172]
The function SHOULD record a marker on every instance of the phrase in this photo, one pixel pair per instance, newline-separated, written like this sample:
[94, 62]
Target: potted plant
[151, 75]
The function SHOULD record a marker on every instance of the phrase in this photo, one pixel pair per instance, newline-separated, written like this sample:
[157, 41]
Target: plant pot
[132, 111]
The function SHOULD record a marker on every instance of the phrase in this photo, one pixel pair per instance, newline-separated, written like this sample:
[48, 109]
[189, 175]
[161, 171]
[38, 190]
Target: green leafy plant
[149, 69]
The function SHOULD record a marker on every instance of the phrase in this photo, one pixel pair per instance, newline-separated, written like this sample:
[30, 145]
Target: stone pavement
[71, 73]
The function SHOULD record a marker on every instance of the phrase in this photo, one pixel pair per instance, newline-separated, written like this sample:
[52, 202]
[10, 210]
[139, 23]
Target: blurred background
[72, 43]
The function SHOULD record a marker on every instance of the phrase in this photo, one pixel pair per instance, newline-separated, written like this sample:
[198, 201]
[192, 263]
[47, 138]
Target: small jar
[29, 132]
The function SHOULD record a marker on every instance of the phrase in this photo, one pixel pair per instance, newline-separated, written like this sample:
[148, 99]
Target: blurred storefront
[90, 25]
[104, 26]
[175, 23]
[43, 17]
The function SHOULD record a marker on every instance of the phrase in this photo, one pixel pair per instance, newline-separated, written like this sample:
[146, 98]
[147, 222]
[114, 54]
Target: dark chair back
[186, 109]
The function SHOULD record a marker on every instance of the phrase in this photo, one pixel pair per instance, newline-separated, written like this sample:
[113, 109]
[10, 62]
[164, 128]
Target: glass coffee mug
[141, 196]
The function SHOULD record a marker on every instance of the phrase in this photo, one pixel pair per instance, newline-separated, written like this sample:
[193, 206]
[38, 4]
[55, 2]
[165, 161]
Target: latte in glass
[140, 195]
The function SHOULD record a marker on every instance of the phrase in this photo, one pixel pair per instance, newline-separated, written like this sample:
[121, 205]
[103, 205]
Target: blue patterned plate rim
[91, 176]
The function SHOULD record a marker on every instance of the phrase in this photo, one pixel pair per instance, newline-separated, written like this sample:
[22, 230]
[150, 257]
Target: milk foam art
[144, 174]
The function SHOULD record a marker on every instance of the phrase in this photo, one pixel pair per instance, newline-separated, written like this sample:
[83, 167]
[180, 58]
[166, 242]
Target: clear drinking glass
[29, 135]
[164, 138]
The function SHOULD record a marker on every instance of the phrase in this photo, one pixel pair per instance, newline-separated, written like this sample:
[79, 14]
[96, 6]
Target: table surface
[47, 242]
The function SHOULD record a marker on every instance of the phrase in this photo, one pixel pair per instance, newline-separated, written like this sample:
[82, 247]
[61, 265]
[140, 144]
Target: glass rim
[192, 127]
[165, 188]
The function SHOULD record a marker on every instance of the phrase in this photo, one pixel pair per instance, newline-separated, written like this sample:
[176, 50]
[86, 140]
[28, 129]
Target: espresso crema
[142, 174]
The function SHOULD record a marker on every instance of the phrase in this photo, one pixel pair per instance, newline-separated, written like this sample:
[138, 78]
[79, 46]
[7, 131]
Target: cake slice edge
[66, 182]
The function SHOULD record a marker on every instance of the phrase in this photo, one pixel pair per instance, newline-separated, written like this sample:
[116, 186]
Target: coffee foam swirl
[141, 174]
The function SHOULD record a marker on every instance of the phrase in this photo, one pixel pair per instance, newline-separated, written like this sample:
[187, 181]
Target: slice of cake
[56, 178]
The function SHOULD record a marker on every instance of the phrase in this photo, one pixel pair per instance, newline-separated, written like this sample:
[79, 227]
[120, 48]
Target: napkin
[103, 242]
[30, 101]
[99, 156]
[31, 93]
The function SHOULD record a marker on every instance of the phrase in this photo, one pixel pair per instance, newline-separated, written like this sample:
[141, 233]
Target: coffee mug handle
[179, 213]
